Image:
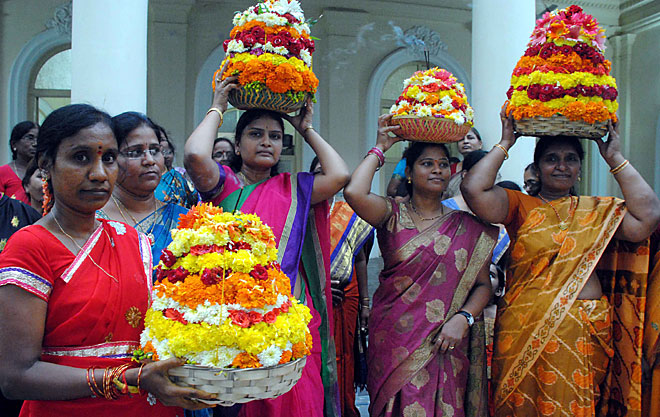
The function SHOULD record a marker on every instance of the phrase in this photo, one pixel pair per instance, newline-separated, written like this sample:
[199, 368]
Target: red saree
[94, 316]
[426, 279]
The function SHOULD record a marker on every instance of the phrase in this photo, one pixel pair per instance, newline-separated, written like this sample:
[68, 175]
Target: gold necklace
[426, 219]
[80, 248]
[244, 179]
[563, 224]
[148, 230]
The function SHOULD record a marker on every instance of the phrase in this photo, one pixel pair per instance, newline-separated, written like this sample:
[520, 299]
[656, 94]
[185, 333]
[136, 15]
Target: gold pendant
[563, 225]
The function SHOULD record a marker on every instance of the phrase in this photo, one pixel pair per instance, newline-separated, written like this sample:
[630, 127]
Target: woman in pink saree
[426, 351]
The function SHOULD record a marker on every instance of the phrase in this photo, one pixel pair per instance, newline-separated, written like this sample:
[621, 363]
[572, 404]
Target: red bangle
[139, 375]
[379, 154]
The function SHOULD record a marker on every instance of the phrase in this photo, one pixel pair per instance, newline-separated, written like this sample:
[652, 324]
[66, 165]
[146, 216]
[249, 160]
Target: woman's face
[559, 168]
[494, 281]
[26, 146]
[168, 154]
[430, 172]
[33, 188]
[85, 169]
[260, 145]
[222, 152]
[531, 182]
[469, 143]
[140, 162]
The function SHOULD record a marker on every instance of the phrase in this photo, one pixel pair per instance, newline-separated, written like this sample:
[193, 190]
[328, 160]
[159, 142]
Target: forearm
[482, 176]
[478, 299]
[335, 170]
[362, 278]
[198, 151]
[47, 381]
[641, 200]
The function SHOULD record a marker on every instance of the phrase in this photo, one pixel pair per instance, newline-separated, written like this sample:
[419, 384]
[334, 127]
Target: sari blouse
[96, 300]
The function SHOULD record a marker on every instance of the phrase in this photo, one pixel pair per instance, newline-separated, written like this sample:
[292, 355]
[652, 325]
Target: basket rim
[212, 369]
[437, 119]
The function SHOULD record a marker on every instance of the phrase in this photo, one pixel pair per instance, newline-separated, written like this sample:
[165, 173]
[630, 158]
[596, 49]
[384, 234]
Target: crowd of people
[491, 300]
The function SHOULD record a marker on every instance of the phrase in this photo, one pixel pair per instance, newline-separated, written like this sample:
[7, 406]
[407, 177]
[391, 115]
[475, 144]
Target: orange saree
[556, 355]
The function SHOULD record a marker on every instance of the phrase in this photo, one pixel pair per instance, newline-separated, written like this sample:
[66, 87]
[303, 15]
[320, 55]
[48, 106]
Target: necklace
[80, 248]
[147, 230]
[563, 224]
[425, 219]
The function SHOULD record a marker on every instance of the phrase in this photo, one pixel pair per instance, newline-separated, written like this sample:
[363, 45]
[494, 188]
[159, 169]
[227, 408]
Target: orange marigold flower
[245, 360]
[299, 350]
[286, 357]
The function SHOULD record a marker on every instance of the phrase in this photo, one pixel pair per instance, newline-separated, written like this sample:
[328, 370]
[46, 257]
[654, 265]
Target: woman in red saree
[568, 333]
[426, 350]
[74, 290]
[282, 201]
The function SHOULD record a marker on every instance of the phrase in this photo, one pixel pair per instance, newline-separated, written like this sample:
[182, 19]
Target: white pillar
[500, 32]
[109, 54]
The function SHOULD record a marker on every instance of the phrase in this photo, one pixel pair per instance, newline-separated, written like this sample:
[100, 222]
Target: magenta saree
[427, 278]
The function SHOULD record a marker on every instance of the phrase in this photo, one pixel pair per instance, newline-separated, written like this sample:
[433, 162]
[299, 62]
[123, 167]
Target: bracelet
[620, 167]
[307, 128]
[506, 153]
[215, 109]
[379, 154]
[138, 377]
[95, 392]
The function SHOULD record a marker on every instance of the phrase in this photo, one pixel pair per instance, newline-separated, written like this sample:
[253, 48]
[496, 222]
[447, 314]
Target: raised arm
[643, 206]
[370, 207]
[197, 156]
[486, 200]
[335, 172]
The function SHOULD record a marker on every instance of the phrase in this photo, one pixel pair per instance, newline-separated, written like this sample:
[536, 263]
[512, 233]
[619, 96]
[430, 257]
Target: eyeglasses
[30, 138]
[222, 154]
[141, 153]
[167, 152]
[531, 183]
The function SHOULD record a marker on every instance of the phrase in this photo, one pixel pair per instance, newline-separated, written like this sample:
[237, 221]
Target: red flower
[573, 9]
[259, 33]
[168, 258]
[211, 276]
[173, 314]
[239, 318]
[295, 47]
[161, 274]
[285, 306]
[270, 317]
[247, 39]
[289, 17]
[242, 245]
[178, 274]
[509, 92]
[547, 89]
[533, 91]
[277, 40]
[573, 92]
[566, 49]
[225, 44]
[255, 317]
[544, 97]
[547, 50]
[259, 273]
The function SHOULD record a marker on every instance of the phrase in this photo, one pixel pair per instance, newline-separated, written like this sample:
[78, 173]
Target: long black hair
[123, 124]
[413, 153]
[20, 130]
[245, 119]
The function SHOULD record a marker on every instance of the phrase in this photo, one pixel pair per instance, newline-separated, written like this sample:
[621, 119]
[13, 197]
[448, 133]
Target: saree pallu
[426, 279]
[283, 203]
[556, 355]
[96, 305]
[174, 188]
[651, 341]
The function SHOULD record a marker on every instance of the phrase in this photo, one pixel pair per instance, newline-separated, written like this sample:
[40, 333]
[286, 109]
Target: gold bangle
[215, 109]
[506, 153]
[620, 167]
[307, 128]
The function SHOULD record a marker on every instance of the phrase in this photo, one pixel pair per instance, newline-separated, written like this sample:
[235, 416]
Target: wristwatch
[468, 317]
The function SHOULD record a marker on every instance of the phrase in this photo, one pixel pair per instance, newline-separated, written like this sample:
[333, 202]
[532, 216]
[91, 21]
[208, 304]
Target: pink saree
[426, 279]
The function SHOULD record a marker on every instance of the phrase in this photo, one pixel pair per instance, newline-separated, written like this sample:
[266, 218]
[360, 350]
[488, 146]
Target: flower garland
[563, 71]
[221, 299]
[270, 47]
[434, 93]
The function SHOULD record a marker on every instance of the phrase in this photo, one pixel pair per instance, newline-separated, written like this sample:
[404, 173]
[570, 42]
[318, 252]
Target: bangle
[307, 128]
[138, 377]
[506, 153]
[95, 392]
[215, 109]
[379, 154]
[620, 167]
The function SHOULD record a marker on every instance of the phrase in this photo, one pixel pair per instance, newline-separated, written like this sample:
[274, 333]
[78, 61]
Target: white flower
[270, 356]
[458, 118]
[445, 102]
[306, 57]
[205, 358]
[268, 47]
[271, 19]
[225, 356]
[424, 111]
[236, 46]
[429, 80]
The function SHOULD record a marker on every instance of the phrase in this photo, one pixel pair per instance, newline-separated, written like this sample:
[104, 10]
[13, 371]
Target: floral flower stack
[432, 108]
[270, 50]
[221, 300]
[562, 84]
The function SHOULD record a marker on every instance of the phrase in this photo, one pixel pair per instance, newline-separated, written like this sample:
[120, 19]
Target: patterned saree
[426, 279]
[556, 355]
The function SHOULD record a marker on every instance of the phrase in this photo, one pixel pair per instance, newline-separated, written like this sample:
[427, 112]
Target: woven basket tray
[560, 125]
[263, 99]
[239, 385]
[429, 129]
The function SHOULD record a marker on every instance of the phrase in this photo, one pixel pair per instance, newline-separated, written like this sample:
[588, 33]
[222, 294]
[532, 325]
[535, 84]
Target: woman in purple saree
[426, 351]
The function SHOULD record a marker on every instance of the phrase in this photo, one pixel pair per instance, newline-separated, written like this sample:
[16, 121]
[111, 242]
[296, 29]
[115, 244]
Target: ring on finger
[451, 347]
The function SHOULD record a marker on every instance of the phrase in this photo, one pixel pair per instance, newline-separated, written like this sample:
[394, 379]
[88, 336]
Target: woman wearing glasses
[174, 186]
[23, 142]
[141, 163]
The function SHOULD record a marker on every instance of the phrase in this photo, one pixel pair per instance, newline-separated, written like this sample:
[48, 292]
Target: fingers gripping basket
[560, 125]
[430, 129]
[240, 385]
[246, 99]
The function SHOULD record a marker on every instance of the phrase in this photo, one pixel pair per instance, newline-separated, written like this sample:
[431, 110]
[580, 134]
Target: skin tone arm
[370, 207]
[24, 376]
[363, 290]
[643, 205]
[335, 173]
[393, 185]
[455, 329]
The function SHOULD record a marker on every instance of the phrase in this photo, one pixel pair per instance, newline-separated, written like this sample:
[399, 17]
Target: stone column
[500, 32]
[109, 54]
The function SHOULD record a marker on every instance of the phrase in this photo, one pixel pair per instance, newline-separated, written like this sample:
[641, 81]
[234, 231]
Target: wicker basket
[264, 99]
[239, 385]
[559, 125]
[429, 129]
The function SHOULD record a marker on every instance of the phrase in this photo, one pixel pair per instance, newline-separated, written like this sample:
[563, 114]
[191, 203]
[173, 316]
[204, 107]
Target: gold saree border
[286, 233]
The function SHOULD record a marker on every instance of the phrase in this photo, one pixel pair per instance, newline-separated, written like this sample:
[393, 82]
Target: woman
[282, 201]
[433, 285]
[553, 336]
[22, 142]
[469, 143]
[32, 186]
[73, 289]
[531, 182]
[223, 151]
[133, 200]
[173, 187]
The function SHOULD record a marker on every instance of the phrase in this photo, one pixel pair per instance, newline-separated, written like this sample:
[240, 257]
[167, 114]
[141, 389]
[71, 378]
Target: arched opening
[50, 84]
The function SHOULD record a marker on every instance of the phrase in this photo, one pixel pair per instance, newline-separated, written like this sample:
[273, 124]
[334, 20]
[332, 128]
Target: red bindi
[99, 151]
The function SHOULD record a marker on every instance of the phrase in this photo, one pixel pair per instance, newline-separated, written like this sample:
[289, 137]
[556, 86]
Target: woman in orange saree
[565, 341]
[426, 353]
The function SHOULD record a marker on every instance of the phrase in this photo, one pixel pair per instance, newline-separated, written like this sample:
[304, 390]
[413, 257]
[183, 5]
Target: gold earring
[409, 181]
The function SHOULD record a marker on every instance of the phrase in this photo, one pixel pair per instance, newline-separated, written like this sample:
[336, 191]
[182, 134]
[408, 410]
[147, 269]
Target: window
[50, 85]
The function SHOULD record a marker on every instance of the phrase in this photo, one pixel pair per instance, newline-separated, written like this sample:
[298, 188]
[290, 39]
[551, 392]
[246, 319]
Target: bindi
[99, 149]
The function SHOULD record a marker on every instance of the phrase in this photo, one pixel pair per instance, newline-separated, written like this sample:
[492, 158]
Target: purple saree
[426, 278]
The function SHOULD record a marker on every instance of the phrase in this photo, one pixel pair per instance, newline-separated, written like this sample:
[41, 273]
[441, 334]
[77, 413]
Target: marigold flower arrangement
[221, 299]
[563, 71]
[270, 47]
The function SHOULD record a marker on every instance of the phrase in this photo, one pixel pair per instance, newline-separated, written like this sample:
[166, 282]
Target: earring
[409, 181]
[46, 205]
[579, 178]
